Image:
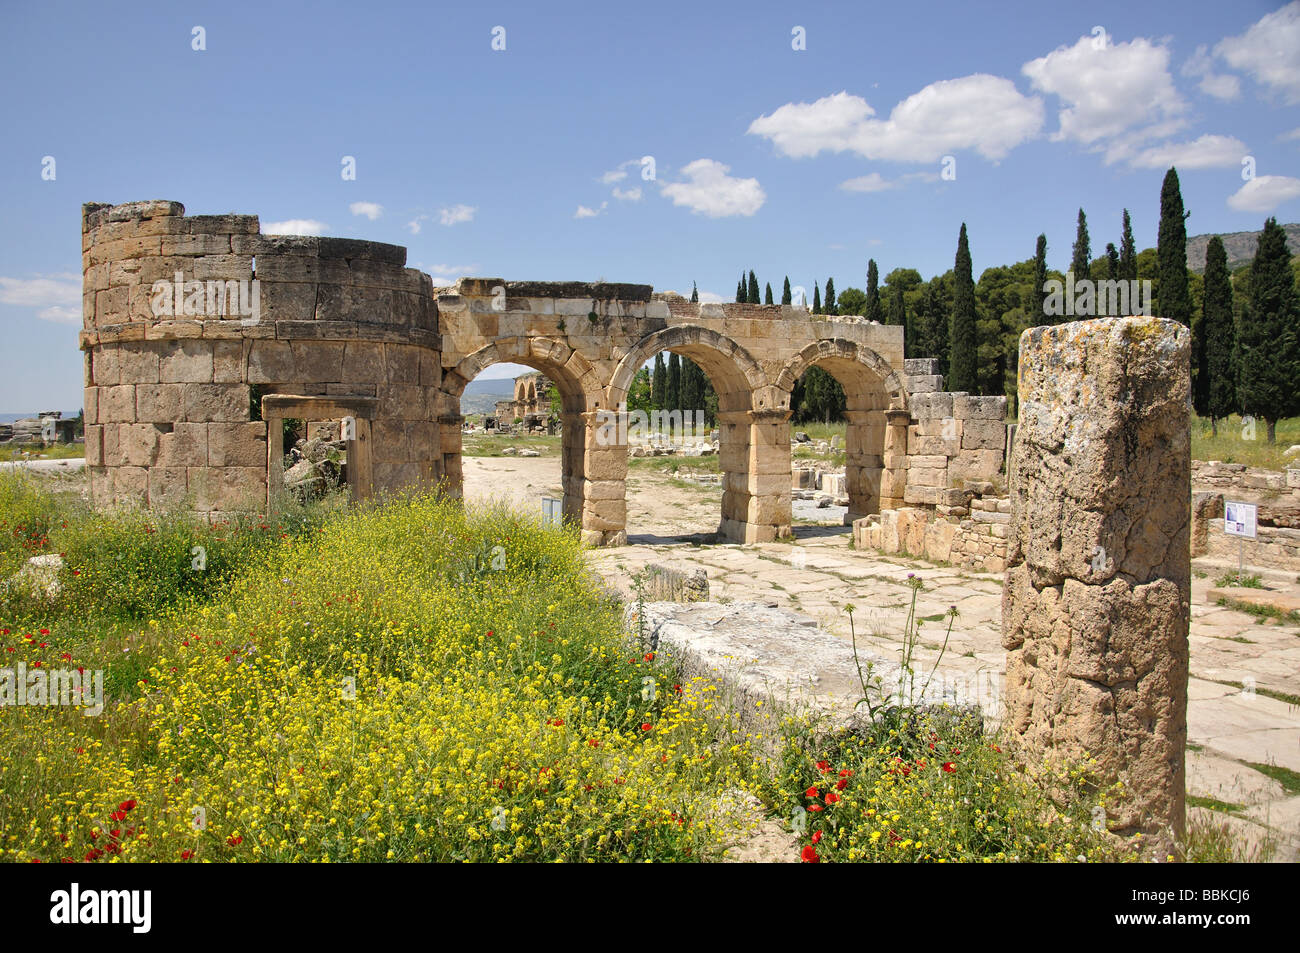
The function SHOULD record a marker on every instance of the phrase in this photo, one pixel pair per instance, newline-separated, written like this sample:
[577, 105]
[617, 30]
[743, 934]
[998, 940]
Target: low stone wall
[662, 584]
[977, 541]
[954, 439]
[1275, 493]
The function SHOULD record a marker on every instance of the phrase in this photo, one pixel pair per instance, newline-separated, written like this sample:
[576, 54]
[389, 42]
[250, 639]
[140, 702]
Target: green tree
[741, 294]
[752, 296]
[1127, 252]
[767, 293]
[963, 343]
[1218, 396]
[695, 294]
[786, 296]
[817, 299]
[851, 301]
[692, 385]
[829, 306]
[674, 390]
[638, 395]
[659, 383]
[1082, 250]
[897, 308]
[1039, 304]
[1112, 262]
[1269, 334]
[1173, 299]
[874, 310]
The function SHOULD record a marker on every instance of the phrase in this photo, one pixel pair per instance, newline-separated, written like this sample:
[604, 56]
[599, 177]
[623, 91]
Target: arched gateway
[191, 323]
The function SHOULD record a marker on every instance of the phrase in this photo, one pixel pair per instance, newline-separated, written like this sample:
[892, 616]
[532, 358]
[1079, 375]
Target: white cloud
[584, 212]
[1291, 136]
[57, 295]
[628, 195]
[875, 182]
[1219, 85]
[708, 297]
[709, 190]
[457, 214]
[415, 224]
[980, 112]
[1207, 152]
[371, 210]
[295, 226]
[1110, 90]
[1264, 193]
[1269, 51]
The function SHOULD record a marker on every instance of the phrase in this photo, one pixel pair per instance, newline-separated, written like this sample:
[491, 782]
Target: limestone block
[984, 435]
[216, 402]
[970, 407]
[916, 495]
[228, 362]
[933, 462]
[94, 445]
[975, 465]
[185, 446]
[159, 403]
[926, 476]
[117, 404]
[138, 445]
[139, 363]
[271, 362]
[186, 361]
[167, 486]
[237, 444]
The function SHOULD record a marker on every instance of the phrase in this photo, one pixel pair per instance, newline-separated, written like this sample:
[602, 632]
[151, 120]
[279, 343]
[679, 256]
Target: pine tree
[786, 296]
[963, 347]
[829, 306]
[1128, 266]
[659, 384]
[817, 299]
[695, 294]
[741, 293]
[1218, 394]
[674, 382]
[1268, 336]
[897, 307]
[874, 309]
[1175, 300]
[767, 293]
[692, 394]
[1039, 296]
[752, 295]
[1082, 250]
[1112, 262]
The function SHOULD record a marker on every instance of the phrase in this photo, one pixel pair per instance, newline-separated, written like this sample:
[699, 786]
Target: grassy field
[35, 451]
[1238, 443]
[415, 680]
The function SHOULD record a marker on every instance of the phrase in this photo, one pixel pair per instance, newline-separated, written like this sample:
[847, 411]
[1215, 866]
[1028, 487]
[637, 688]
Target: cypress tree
[674, 382]
[963, 355]
[897, 307]
[1268, 336]
[829, 307]
[692, 394]
[817, 299]
[695, 294]
[1112, 262]
[767, 293]
[741, 293]
[1039, 296]
[1128, 262]
[1082, 250]
[1217, 396]
[786, 296]
[873, 308]
[1175, 299]
[659, 384]
[752, 296]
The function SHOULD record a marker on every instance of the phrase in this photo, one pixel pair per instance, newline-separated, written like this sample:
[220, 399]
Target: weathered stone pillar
[1096, 599]
[733, 463]
[865, 449]
[893, 478]
[602, 477]
[768, 476]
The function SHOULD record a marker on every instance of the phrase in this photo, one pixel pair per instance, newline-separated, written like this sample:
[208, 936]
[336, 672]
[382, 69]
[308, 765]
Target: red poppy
[593, 742]
[809, 855]
[118, 815]
[841, 784]
[823, 766]
[817, 837]
[126, 805]
[949, 767]
[646, 726]
[557, 722]
[811, 792]
[649, 656]
[186, 854]
[832, 797]
[235, 841]
[815, 807]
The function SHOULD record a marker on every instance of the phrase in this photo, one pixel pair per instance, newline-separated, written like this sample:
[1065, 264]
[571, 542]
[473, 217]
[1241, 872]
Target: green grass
[1290, 780]
[36, 451]
[1261, 612]
[1213, 804]
[484, 445]
[1239, 580]
[1232, 445]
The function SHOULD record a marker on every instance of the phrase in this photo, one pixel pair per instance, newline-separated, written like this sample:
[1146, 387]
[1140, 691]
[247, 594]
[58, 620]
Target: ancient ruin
[1096, 603]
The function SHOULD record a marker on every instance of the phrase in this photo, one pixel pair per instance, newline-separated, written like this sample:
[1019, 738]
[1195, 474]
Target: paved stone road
[1243, 670]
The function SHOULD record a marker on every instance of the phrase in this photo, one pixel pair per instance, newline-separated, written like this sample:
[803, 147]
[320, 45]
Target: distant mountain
[481, 396]
[1240, 247]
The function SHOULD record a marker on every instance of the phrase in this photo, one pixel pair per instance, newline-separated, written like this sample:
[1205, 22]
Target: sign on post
[552, 511]
[1239, 519]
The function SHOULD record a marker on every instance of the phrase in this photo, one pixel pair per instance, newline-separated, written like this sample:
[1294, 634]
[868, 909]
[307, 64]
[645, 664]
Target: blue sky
[527, 162]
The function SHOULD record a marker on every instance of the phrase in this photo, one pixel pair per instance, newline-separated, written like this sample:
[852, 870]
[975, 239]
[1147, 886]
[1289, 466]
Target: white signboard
[552, 510]
[1239, 519]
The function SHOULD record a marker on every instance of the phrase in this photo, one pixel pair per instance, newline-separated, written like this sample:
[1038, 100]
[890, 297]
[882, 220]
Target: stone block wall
[1276, 494]
[954, 440]
[977, 541]
[173, 380]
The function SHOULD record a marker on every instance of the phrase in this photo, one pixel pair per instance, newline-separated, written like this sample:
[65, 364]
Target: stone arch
[876, 407]
[575, 377]
[751, 512]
